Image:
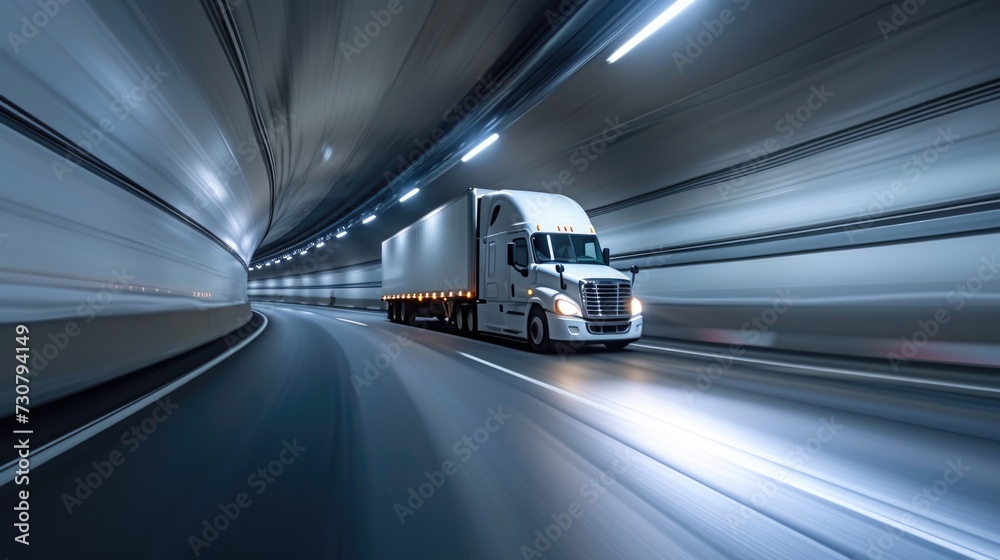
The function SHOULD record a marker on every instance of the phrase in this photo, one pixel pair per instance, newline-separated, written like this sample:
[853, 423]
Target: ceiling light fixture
[482, 146]
[409, 195]
[369, 219]
[653, 26]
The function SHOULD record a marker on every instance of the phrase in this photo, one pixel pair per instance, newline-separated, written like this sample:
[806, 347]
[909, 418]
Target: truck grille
[609, 328]
[606, 299]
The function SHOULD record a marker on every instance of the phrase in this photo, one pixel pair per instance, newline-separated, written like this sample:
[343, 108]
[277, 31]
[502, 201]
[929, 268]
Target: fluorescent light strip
[341, 234]
[482, 146]
[369, 219]
[409, 195]
[654, 25]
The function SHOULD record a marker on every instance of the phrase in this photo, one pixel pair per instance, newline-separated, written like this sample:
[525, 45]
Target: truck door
[490, 316]
[516, 307]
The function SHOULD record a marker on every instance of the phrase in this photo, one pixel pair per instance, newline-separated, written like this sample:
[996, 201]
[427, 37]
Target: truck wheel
[408, 315]
[470, 320]
[459, 319]
[617, 345]
[538, 331]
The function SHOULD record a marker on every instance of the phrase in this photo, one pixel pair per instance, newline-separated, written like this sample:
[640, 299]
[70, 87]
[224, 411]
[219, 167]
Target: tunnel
[557, 279]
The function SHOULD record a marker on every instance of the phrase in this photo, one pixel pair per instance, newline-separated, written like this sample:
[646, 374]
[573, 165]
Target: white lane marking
[563, 392]
[351, 322]
[734, 453]
[66, 442]
[838, 371]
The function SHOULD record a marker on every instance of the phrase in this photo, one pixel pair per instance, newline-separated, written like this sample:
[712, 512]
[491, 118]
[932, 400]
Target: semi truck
[517, 264]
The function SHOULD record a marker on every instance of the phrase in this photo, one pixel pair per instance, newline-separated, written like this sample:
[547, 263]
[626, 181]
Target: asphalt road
[337, 434]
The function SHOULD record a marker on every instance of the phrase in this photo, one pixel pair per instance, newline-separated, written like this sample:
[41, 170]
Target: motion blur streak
[759, 465]
[871, 202]
[809, 191]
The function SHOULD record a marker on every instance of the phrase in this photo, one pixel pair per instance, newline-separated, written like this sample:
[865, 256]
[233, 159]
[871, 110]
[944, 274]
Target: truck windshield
[566, 248]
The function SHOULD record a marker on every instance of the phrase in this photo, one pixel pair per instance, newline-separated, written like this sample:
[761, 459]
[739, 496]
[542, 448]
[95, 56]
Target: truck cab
[544, 277]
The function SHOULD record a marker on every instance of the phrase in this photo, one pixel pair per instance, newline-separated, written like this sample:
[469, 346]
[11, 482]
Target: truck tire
[408, 315]
[458, 317]
[538, 331]
[471, 326]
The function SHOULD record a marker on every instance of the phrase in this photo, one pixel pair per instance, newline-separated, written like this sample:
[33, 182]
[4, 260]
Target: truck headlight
[567, 307]
[636, 307]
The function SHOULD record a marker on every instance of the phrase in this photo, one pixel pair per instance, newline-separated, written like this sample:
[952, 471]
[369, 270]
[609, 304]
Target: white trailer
[517, 264]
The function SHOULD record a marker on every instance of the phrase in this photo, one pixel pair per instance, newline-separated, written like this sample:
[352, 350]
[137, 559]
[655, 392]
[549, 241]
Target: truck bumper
[575, 329]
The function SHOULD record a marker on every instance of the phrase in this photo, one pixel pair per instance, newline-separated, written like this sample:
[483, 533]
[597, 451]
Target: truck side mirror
[560, 269]
[512, 261]
[607, 256]
[634, 270]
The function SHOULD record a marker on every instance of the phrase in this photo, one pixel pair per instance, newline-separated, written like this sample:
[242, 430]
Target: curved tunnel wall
[863, 224]
[132, 192]
[106, 282]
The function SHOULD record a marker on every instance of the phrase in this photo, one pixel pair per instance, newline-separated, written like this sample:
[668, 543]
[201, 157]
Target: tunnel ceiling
[264, 120]
[684, 111]
[349, 90]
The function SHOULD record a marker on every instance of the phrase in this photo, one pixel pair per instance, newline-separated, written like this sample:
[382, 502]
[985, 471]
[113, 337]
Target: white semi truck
[517, 264]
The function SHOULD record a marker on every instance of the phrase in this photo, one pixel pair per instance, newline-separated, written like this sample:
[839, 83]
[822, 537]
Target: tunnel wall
[106, 282]
[855, 176]
[352, 287]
